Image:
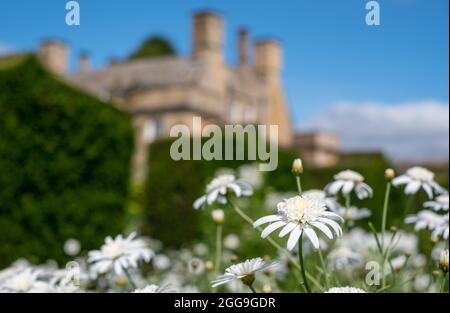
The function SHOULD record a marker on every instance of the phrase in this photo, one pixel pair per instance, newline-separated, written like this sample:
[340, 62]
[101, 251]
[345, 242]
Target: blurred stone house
[162, 92]
[317, 148]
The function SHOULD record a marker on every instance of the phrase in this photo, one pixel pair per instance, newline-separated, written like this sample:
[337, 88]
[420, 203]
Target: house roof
[145, 73]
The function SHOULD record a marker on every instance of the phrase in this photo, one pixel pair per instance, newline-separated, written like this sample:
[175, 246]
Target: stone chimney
[243, 46]
[268, 64]
[208, 37]
[84, 63]
[268, 59]
[54, 55]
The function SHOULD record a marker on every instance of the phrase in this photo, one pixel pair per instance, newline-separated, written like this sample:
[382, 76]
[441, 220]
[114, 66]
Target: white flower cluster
[334, 239]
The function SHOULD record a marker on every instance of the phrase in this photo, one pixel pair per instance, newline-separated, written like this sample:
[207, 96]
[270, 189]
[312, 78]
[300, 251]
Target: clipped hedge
[64, 165]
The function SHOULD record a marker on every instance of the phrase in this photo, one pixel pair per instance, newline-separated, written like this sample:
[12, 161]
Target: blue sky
[331, 55]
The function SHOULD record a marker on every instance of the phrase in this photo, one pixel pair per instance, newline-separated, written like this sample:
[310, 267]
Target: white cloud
[414, 131]
[5, 49]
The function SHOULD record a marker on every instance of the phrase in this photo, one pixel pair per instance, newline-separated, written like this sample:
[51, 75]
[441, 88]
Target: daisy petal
[312, 236]
[348, 187]
[401, 180]
[293, 238]
[199, 202]
[334, 187]
[412, 187]
[287, 229]
[428, 190]
[266, 219]
[337, 229]
[324, 229]
[271, 228]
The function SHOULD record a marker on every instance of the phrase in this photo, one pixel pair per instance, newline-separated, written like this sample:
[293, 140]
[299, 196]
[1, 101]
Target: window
[153, 128]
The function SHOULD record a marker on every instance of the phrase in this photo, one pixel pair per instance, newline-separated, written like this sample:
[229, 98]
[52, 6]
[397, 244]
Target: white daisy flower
[348, 181]
[72, 247]
[441, 230]
[345, 290]
[344, 258]
[25, 281]
[196, 266]
[251, 174]
[219, 187]
[353, 213]
[422, 282]
[244, 272]
[161, 262]
[119, 254]
[231, 242]
[201, 249]
[436, 223]
[440, 203]
[69, 288]
[397, 263]
[436, 251]
[155, 289]
[330, 202]
[300, 215]
[418, 177]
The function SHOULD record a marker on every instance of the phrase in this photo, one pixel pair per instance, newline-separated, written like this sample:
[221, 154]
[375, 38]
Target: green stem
[444, 282]
[385, 259]
[130, 280]
[251, 288]
[218, 249]
[324, 268]
[302, 264]
[348, 203]
[385, 210]
[408, 206]
[299, 184]
[274, 243]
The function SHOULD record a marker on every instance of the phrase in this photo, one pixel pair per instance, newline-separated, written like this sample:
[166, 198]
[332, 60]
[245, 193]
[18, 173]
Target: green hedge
[171, 189]
[64, 165]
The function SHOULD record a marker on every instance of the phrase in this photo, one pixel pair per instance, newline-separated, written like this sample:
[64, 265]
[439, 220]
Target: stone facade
[166, 91]
[318, 149]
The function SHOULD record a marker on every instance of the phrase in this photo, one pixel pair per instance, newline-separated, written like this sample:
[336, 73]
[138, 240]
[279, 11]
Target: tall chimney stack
[208, 37]
[268, 58]
[243, 46]
[54, 55]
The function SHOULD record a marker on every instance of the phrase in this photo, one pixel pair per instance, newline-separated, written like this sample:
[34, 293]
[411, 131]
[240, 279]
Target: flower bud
[218, 216]
[434, 240]
[389, 174]
[121, 280]
[209, 266]
[266, 289]
[393, 229]
[195, 263]
[297, 167]
[443, 261]
[436, 274]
